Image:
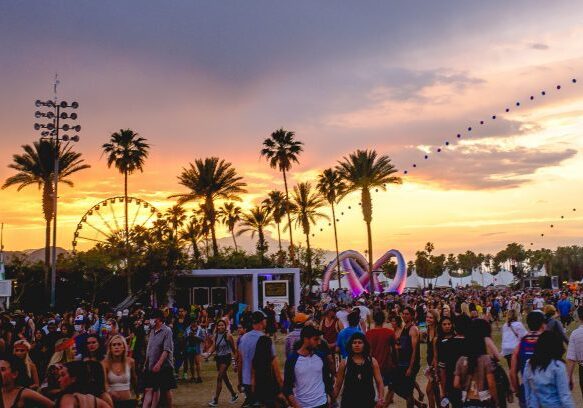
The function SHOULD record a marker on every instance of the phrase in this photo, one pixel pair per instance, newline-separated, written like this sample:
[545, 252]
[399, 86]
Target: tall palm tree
[331, 186]
[36, 166]
[281, 150]
[277, 205]
[307, 202]
[209, 180]
[361, 171]
[255, 221]
[230, 215]
[127, 152]
[202, 214]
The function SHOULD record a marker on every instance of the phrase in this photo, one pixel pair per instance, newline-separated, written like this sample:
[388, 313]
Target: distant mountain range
[244, 242]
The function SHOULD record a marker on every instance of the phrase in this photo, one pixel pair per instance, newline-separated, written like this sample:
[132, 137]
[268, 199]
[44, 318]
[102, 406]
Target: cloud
[484, 167]
[539, 46]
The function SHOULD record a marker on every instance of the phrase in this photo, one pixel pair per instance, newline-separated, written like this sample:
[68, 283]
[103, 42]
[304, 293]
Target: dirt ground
[198, 395]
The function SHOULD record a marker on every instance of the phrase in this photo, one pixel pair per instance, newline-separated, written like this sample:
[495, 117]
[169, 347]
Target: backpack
[526, 349]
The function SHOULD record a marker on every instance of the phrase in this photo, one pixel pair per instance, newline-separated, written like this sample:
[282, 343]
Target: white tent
[504, 277]
[413, 281]
[444, 280]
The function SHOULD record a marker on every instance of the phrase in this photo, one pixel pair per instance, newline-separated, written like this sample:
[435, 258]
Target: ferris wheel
[106, 220]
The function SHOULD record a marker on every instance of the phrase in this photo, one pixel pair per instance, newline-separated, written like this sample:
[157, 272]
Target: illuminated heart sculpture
[356, 268]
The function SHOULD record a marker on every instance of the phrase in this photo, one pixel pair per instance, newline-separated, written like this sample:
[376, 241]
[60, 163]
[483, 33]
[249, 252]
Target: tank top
[406, 349]
[430, 349]
[330, 332]
[119, 382]
[359, 388]
[222, 346]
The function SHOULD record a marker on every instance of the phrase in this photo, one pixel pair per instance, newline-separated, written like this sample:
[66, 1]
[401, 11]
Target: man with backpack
[536, 325]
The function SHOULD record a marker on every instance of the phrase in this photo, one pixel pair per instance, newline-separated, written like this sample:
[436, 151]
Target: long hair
[98, 353]
[27, 360]
[78, 371]
[18, 366]
[549, 347]
[440, 333]
[95, 378]
[109, 355]
[475, 345]
[263, 355]
[365, 349]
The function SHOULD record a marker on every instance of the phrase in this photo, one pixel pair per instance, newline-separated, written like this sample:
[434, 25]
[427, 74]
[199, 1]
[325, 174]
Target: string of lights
[448, 144]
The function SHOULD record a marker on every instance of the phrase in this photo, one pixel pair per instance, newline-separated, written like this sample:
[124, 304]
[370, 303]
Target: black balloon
[493, 116]
[507, 109]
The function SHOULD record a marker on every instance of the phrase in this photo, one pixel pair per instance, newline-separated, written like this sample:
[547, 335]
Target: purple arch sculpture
[356, 268]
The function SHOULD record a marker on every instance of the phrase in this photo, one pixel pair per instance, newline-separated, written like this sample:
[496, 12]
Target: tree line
[184, 238]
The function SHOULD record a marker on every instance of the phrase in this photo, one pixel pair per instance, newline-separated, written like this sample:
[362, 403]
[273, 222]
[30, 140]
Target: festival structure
[355, 267]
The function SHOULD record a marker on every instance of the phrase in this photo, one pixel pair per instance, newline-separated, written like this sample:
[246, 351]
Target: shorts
[403, 385]
[225, 359]
[163, 380]
[388, 379]
[193, 350]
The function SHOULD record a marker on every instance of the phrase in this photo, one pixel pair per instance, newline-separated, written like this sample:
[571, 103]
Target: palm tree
[202, 214]
[210, 179]
[36, 166]
[255, 221]
[192, 233]
[277, 205]
[307, 202]
[281, 150]
[332, 187]
[363, 170]
[176, 216]
[127, 152]
[230, 215]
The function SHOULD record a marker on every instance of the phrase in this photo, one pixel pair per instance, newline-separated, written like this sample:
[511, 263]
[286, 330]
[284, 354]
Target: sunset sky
[215, 78]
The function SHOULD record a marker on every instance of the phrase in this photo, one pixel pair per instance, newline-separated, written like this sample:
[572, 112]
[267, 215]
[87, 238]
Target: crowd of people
[332, 350]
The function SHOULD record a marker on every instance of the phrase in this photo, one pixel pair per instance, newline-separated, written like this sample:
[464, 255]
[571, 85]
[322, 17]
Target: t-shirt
[342, 315]
[564, 307]
[158, 342]
[449, 350]
[309, 389]
[382, 342]
[343, 338]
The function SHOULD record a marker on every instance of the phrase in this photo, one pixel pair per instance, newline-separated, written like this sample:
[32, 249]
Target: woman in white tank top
[120, 373]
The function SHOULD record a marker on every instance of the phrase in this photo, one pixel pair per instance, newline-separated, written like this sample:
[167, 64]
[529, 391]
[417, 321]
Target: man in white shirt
[575, 351]
[307, 379]
[342, 315]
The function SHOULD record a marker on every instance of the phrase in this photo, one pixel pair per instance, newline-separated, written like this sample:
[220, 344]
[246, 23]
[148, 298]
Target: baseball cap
[301, 318]
[309, 331]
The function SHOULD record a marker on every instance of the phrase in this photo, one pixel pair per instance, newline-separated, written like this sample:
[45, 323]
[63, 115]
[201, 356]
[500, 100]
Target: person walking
[266, 379]
[545, 379]
[474, 373]
[575, 351]
[224, 349]
[535, 321]
[357, 376]
[552, 324]
[565, 308]
[345, 334]
[247, 347]
[195, 335]
[382, 343]
[409, 358]
[512, 332]
[159, 367]
[307, 381]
